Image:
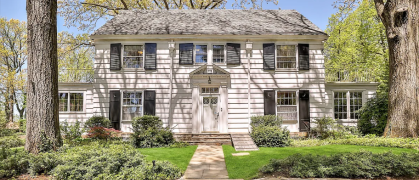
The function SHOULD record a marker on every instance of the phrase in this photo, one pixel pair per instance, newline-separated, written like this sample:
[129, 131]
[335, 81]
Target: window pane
[63, 101]
[133, 50]
[132, 105]
[287, 105]
[340, 105]
[128, 113]
[356, 104]
[76, 101]
[133, 62]
[286, 56]
[218, 53]
[286, 50]
[201, 53]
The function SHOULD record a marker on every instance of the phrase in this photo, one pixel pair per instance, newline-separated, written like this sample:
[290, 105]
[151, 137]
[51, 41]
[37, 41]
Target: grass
[178, 156]
[246, 167]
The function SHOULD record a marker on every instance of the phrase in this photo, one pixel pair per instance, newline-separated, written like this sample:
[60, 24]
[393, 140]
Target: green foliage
[22, 125]
[97, 121]
[267, 120]
[179, 144]
[270, 136]
[327, 127]
[103, 133]
[46, 143]
[71, 133]
[373, 115]
[11, 141]
[361, 164]
[267, 131]
[370, 140]
[357, 48]
[13, 162]
[149, 132]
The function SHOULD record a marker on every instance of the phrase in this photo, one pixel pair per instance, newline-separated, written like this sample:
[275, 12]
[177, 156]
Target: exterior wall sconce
[172, 46]
[209, 80]
[249, 46]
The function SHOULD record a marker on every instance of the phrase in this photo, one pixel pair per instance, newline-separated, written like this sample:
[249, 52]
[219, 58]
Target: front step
[204, 138]
[243, 142]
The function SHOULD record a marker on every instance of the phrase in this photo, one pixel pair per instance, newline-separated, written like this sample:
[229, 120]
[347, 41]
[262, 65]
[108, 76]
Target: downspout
[171, 53]
[249, 51]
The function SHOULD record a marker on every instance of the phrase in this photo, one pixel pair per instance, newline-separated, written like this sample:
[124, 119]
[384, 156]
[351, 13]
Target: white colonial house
[210, 71]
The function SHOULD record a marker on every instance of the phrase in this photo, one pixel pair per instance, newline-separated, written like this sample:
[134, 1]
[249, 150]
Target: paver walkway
[207, 163]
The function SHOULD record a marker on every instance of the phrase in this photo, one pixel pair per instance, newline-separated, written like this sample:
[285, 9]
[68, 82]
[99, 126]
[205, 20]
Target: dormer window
[201, 55]
[133, 56]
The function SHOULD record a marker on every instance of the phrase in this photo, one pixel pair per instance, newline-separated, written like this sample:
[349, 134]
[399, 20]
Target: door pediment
[209, 71]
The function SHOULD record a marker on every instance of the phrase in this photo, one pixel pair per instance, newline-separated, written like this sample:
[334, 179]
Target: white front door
[210, 113]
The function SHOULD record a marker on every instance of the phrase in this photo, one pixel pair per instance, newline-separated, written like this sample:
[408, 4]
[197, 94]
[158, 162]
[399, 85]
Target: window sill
[287, 70]
[133, 69]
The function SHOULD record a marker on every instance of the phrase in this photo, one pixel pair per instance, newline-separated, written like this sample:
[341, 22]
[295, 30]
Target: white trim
[122, 56]
[68, 103]
[296, 56]
[348, 102]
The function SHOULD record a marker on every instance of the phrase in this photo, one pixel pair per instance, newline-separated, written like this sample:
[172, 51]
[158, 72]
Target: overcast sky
[317, 11]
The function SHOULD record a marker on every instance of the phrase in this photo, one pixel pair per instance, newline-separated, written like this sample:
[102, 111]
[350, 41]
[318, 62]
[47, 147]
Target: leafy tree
[357, 48]
[42, 127]
[13, 56]
[85, 13]
[75, 58]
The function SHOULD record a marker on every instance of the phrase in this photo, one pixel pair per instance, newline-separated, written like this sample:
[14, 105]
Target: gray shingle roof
[209, 22]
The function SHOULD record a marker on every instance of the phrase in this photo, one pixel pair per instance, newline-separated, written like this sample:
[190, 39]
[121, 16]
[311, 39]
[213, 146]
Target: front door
[210, 113]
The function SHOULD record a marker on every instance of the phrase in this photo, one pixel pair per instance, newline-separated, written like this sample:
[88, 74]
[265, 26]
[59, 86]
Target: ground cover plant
[362, 164]
[246, 167]
[267, 131]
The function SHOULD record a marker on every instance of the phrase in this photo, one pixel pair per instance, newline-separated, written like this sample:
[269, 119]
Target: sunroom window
[218, 53]
[70, 102]
[286, 56]
[287, 105]
[133, 56]
[132, 105]
[201, 54]
[346, 104]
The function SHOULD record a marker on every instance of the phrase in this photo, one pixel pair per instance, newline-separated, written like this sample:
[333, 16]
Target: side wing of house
[75, 102]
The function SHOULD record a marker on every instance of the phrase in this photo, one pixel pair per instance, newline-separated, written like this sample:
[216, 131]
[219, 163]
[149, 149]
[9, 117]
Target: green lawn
[178, 156]
[246, 167]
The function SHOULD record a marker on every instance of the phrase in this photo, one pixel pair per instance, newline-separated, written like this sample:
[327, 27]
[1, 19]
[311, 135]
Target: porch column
[196, 123]
[223, 109]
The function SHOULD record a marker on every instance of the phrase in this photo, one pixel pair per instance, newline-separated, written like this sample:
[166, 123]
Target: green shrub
[11, 141]
[71, 132]
[102, 133]
[13, 162]
[372, 140]
[43, 163]
[270, 136]
[22, 125]
[267, 120]
[97, 121]
[361, 164]
[179, 144]
[327, 127]
[373, 115]
[149, 132]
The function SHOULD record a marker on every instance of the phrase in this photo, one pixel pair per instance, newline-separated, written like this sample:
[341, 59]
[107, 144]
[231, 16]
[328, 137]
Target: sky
[317, 11]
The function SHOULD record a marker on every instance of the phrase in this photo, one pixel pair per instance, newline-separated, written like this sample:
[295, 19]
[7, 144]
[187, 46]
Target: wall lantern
[171, 45]
[209, 80]
[249, 45]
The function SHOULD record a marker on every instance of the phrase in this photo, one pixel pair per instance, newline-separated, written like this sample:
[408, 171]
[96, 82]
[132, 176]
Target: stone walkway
[207, 163]
[243, 142]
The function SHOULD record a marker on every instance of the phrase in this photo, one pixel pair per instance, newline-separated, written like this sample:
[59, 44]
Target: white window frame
[297, 101]
[348, 103]
[68, 102]
[122, 55]
[296, 57]
[122, 103]
[194, 53]
[212, 53]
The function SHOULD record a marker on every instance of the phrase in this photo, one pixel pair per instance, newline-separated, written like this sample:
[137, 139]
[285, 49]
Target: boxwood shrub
[361, 164]
[267, 131]
[148, 132]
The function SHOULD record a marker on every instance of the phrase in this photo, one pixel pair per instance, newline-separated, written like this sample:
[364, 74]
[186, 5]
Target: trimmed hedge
[267, 131]
[361, 164]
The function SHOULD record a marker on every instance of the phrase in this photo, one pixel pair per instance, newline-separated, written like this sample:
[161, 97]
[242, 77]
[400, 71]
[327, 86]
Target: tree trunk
[400, 18]
[42, 83]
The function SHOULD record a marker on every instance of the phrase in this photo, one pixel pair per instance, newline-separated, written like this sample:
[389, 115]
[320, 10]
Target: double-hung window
[218, 53]
[286, 56]
[201, 55]
[287, 105]
[71, 102]
[132, 105]
[346, 104]
[133, 56]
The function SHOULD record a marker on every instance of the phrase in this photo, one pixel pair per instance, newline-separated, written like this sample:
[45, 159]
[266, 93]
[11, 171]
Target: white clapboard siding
[87, 89]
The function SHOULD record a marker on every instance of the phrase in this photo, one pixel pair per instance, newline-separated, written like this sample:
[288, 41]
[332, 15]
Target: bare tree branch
[102, 6]
[166, 4]
[125, 4]
[158, 5]
[192, 5]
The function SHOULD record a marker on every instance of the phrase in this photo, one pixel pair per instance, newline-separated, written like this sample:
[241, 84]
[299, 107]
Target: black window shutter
[304, 56]
[150, 62]
[186, 54]
[149, 102]
[115, 109]
[304, 104]
[233, 54]
[269, 102]
[269, 56]
[115, 61]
